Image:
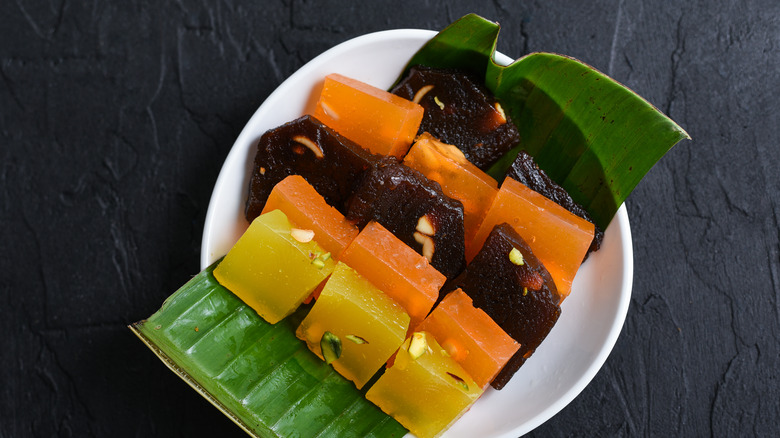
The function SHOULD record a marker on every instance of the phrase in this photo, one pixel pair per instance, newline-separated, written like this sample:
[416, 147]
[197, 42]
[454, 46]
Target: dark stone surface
[115, 119]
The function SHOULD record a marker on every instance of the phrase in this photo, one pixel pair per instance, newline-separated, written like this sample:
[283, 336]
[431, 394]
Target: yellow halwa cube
[425, 390]
[273, 268]
[369, 325]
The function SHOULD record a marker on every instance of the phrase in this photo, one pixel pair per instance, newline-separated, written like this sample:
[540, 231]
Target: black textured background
[115, 119]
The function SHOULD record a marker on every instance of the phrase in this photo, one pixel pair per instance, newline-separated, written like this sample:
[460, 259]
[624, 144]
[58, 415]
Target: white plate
[591, 318]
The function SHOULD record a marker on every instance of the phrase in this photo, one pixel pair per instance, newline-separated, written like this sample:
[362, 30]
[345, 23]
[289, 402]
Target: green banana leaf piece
[466, 44]
[590, 134]
[258, 374]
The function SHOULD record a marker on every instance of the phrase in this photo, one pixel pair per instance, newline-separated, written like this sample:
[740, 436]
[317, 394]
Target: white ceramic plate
[591, 318]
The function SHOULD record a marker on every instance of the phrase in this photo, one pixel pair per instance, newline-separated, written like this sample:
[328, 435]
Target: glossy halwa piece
[270, 270]
[397, 196]
[396, 269]
[375, 119]
[305, 208]
[512, 286]
[425, 394]
[525, 170]
[351, 307]
[460, 111]
[470, 337]
[459, 178]
[559, 238]
[330, 162]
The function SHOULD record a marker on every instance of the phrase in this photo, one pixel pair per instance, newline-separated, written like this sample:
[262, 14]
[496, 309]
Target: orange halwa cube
[470, 337]
[459, 179]
[375, 119]
[425, 390]
[396, 269]
[369, 325]
[306, 209]
[271, 269]
[557, 237]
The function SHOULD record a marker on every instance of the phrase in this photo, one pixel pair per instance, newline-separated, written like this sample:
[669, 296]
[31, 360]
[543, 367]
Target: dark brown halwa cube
[460, 111]
[525, 170]
[521, 298]
[331, 163]
[398, 197]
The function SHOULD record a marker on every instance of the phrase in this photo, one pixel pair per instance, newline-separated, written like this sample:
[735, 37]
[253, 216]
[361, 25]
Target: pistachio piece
[438, 102]
[309, 144]
[421, 93]
[330, 345]
[460, 381]
[418, 345]
[516, 257]
[451, 349]
[303, 236]
[318, 263]
[325, 256]
[356, 339]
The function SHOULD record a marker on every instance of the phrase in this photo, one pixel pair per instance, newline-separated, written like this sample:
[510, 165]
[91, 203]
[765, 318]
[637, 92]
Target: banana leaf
[258, 374]
[593, 136]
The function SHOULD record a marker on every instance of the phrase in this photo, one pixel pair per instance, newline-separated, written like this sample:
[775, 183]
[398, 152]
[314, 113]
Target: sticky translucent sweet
[415, 210]
[270, 270]
[330, 162]
[306, 208]
[375, 119]
[396, 269]
[369, 324]
[459, 110]
[425, 394]
[557, 237]
[508, 282]
[470, 337]
[459, 178]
